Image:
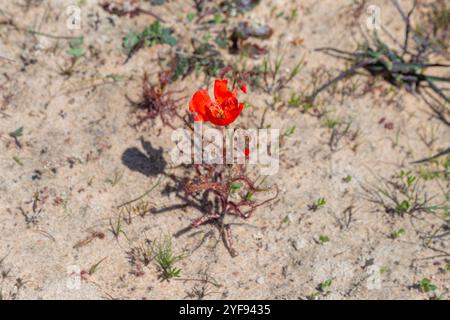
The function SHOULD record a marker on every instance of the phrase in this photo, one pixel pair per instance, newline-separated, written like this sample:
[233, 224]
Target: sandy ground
[80, 157]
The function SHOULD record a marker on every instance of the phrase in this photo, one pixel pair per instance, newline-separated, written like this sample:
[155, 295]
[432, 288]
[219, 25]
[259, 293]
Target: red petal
[229, 116]
[236, 112]
[199, 105]
[221, 92]
[219, 121]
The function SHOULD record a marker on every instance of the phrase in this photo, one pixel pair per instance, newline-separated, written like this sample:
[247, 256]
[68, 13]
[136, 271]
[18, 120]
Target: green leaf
[16, 133]
[410, 180]
[347, 179]
[115, 77]
[290, 131]
[331, 123]
[18, 161]
[323, 239]
[153, 29]
[221, 42]
[398, 233]
[218, 18]
[151, 35]
[76, 49]
[236, 186]
[168, 38]
[447, 164]
[93, 268]
[321, 202]
[206, 37]
[425, 285]
[325, 285]
[76, 42]
[130, 40]
[191, 17]
[77, 52]
[403, 206]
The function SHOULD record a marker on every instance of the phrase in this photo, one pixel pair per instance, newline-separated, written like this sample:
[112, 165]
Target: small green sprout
[426, 286]
[403, 207]
[218, 18]
[331, 123]
[427, 174]
[447, 164]
[325, 285]
[152, 35]
[235, 186]
[206, 37]
[322, 290]
[347, 179]
[285, 220]
[397, 234]
[290, 131]
[293, 15]
[76, 49]
[295, 100]
[115, 77]
[323, 239]
[383, 270]
[18, 161]
[93, 268]
[116, 228]
[320, 203]
[16, 133]
[190, 17]
[221, 42]
[408, 180]
[165, 258]
[404, 195]
[313, 296]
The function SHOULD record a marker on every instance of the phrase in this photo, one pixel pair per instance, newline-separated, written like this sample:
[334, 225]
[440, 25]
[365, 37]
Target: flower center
[217, 110]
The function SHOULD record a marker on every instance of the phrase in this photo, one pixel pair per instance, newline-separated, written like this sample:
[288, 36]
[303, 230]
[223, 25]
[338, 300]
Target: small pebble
[258, 236]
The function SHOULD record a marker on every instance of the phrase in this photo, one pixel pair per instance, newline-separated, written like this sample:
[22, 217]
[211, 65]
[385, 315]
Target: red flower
[221, 112]
[244, 88]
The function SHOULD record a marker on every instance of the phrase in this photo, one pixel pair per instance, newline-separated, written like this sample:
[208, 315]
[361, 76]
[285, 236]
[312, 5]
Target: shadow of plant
[150, 162]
